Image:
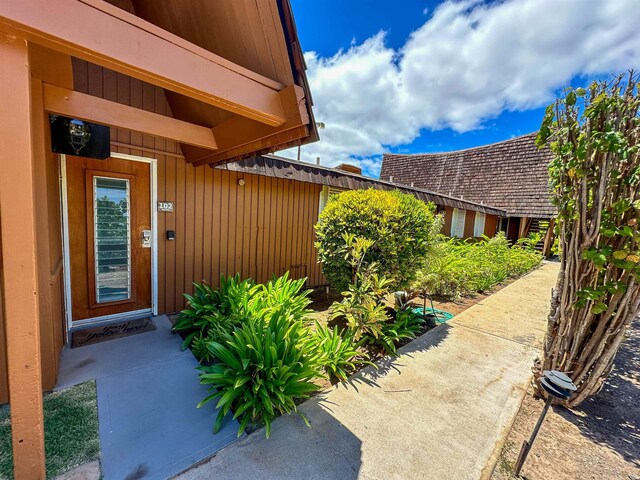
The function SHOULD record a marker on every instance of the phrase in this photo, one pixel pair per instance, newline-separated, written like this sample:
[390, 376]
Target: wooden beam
[111, 37]
[239, 135]
[19, 265]
[260, 146]
[87, 107]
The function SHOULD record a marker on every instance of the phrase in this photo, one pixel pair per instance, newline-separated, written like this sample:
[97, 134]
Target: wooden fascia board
[105, 35]
[69, 103]
[240, 134]
[259, 146]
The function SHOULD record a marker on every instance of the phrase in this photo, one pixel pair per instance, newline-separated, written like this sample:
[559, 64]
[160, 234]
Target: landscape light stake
[557, 385]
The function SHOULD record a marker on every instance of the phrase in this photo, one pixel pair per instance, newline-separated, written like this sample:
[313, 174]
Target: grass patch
[70, 426]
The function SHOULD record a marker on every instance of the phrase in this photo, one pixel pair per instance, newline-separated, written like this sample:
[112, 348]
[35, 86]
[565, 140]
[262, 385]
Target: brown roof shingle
[511, 175]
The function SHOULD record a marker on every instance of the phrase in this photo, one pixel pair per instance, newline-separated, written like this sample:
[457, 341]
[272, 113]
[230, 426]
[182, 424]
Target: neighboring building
[510, 175]
[86, 241]
[483, 219]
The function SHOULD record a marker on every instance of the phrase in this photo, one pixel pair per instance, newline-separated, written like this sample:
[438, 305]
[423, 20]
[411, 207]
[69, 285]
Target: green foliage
[455, 268]
[212, 312]
[338, 352]
[362, 306]
[595, 177]
[263, 367]
[398, 226]
[407, 325]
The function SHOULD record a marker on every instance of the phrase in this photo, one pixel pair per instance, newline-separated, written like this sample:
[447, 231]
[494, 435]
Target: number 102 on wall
[165, 206]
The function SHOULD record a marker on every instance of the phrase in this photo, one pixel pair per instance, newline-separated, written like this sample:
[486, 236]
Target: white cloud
[467, 63]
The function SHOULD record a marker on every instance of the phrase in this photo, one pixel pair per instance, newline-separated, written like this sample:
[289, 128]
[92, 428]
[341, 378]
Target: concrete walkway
[148, 390]
[437, 411]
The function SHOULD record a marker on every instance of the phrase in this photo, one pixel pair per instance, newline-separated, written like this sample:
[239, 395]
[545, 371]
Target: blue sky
[423, 76]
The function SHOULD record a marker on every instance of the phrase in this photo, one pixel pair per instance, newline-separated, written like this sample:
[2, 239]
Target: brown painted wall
[469, 220]
[260, 229]
[490, 223]
[448, 216]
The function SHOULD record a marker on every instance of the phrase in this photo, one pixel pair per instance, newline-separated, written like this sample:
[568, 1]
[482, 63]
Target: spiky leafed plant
[594, 135]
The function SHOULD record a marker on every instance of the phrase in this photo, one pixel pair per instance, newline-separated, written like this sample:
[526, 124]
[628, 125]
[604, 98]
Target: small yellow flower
[633, 258]
[571, 172]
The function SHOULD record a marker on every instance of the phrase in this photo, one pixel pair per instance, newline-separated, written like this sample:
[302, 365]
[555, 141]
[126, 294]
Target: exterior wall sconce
[557, 385]
[71, 136]
[241, 182]
[79, 135]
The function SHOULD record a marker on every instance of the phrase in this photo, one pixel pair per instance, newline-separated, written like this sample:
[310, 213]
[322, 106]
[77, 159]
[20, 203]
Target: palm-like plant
[263, 367]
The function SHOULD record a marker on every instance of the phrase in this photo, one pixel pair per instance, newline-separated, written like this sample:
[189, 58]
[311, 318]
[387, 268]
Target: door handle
[146, 238]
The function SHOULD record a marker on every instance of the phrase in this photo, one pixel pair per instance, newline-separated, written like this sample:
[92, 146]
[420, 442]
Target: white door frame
[117, 317]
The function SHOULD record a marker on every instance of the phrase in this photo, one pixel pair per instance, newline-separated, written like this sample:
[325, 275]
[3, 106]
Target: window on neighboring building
[478, 225]
[457, 223]
[325, 193]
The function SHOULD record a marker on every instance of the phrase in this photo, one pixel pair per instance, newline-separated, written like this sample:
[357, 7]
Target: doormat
[89, 336]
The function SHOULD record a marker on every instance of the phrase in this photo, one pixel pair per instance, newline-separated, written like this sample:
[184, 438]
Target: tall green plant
[594, 135]
[362, 305]
[264, 366]
[455, 268]
[337, 350]
[399, 226]
[212, 312]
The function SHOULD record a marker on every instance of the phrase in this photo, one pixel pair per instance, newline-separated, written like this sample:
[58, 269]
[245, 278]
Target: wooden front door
[109, 229]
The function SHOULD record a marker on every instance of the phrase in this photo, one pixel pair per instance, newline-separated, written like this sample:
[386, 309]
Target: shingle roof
[279, 167]
[511, 175]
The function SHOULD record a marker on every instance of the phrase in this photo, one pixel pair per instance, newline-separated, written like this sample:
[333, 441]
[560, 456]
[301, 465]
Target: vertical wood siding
[260, 229]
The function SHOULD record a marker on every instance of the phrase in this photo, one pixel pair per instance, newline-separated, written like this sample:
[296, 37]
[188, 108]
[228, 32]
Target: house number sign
[165, 206]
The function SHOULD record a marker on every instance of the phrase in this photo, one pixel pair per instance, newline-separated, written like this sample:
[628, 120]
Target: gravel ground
[598, 440]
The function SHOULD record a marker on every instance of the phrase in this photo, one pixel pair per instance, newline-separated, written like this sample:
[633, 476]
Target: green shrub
[210, 313]
[399, 226]
[338, 352]
[263, 367]
[455, 268]
[263, 354]
[362, 306]
[406, 326]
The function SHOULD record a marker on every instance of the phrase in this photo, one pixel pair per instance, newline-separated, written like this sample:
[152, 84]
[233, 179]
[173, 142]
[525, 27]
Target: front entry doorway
[110, 243]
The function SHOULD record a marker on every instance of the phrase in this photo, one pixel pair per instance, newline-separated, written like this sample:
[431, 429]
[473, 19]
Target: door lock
[146, 238]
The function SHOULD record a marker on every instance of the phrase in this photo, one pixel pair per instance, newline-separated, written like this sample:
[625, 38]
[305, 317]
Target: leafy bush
[456, 268]
[362, 306]
[210, 313]
[406, 326]
[338, 352]
[399, 226]
[263, 367]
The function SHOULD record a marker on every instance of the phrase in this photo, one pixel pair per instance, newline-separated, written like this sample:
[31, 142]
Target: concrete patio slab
[148, 390]
[438, 410]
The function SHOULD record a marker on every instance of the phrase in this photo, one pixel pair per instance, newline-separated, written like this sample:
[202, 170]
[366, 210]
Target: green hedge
[455, 268]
